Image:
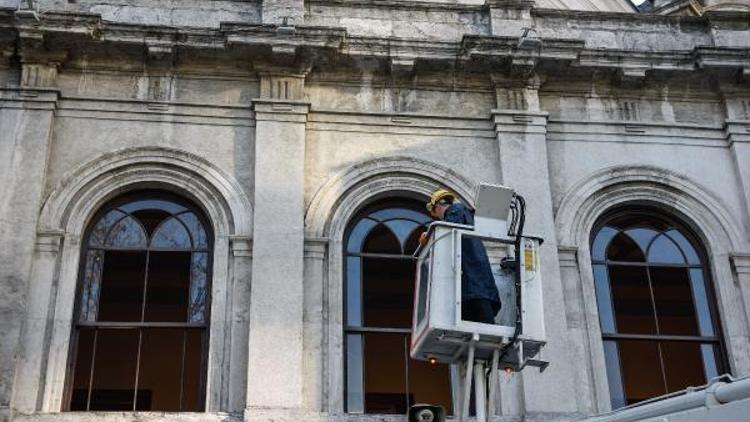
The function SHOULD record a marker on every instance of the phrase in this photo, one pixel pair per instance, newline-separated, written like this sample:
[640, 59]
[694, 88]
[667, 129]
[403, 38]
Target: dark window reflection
[381, 378]
[631, 295]
[146, 263]
[649, 278]
[388, 292]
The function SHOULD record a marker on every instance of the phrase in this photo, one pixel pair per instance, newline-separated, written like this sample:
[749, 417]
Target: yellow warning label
[529, 258]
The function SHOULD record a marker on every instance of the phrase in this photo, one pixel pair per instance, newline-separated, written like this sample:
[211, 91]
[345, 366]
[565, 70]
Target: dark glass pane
[402, 229]
[192, 382]
[151, 218]
[391, 213]
[685, 246]
[354, 374]
[114, 371]
[161, 367]
[168, 286]
[387, 292]
[641, 370]
[604, 299]
[664, 251]
[358, 234]
[674, 301]
[599, 246]
[353, 291]
[82, 369]
[171, 234]
[195, 227]
[199, 288]
[382, 240]
[100, 230]
[631, 296]
[430, 383]
[642, 236]
[413, 241]
[614, 376]
[152, 204]
[623, 248]
[92, 283]
[123, 277]
[683, 365]
[705, 321]
[127, 233]
[385, 374]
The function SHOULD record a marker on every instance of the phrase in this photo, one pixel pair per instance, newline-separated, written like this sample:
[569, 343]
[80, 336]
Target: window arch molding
[587, 201]
[331, 210]
[65, 215]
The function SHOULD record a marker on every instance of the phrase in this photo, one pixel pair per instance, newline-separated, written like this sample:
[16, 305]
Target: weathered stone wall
[281, 130]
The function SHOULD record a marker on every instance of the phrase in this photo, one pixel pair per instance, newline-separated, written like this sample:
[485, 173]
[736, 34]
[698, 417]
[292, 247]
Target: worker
[480, 300]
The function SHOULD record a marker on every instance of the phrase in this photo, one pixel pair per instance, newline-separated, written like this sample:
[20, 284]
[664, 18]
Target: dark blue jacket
[477, 281]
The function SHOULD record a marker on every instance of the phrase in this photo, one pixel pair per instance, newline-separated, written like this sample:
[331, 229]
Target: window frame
[76, 323]
[346, 329]
[650, 213]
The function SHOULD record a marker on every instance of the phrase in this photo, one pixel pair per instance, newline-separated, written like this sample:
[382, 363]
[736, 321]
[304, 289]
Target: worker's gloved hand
[422, 239]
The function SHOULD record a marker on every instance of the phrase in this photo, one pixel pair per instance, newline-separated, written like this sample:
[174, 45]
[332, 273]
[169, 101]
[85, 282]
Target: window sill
[127, 416]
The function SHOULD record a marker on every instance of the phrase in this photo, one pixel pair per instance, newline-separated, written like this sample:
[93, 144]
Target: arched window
[142, 310]
[656, 307]
[379, 273]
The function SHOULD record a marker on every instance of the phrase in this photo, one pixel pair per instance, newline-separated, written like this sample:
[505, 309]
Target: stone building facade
[279, 121]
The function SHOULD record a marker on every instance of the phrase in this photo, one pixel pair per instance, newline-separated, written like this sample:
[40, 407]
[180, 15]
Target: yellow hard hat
[437, 196]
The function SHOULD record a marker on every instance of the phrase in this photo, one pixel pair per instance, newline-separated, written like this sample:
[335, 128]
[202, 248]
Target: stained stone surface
[282, 118]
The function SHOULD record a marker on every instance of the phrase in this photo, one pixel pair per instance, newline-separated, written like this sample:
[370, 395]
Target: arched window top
[143, 310]
[152, 223]
[651, 240]
[653, 289]
[388, 230]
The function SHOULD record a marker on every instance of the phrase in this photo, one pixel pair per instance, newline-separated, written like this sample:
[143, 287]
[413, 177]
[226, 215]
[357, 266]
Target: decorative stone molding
[241, 246]
[741, 266]
[520, 121]
[568, 256]
[349, 189]
[282, 87]
[110, 174]
[315, 247]
[74, 200]
[610, 187]
[49, 241]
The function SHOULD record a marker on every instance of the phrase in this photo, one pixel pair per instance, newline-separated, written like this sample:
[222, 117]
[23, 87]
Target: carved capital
[568, 256]
[280, 86]
[517, 93]
[241, 246]
[315, 247]
[49, 241]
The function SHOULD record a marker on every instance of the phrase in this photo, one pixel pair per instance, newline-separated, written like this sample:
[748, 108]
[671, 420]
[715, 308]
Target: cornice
[302, 46]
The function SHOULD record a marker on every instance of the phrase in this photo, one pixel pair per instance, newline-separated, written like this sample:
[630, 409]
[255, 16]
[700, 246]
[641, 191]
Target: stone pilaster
[27, 394]
[741, 268]
[521, 136]
[280, 12]
[26, 117]
[737, 133]
[582, 328]
[508, 18]
[276, 358]
[314, 324]
[242, 260]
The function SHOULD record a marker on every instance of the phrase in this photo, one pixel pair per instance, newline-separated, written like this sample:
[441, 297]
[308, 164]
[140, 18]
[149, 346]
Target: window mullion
[91, 369]
[140, 331]
[406, 369]
[653, 299]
